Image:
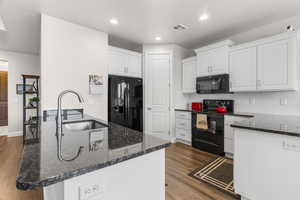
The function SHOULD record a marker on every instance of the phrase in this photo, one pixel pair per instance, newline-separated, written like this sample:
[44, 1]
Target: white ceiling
[141, 20]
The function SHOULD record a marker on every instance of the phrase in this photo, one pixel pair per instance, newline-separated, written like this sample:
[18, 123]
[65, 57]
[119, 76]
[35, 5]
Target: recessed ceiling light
[114, 21]
[203, 17]
[157, 38]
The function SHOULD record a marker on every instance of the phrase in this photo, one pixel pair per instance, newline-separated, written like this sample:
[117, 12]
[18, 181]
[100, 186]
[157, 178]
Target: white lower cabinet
[229, 134]
[183, 125]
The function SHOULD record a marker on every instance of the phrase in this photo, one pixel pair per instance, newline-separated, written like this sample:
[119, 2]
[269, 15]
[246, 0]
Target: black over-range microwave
[213, 84]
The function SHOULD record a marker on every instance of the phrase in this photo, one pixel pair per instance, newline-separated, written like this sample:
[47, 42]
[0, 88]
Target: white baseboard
[15, 133]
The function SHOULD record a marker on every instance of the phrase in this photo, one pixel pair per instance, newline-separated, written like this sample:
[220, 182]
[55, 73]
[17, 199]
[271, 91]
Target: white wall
[18, 64]
[3, 65]
[69, 53]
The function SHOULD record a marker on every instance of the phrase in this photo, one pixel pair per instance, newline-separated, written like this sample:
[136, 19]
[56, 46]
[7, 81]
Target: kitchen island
[102, 162]
[266, 157]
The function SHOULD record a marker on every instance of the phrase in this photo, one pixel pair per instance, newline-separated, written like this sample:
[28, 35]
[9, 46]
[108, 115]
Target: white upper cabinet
[116, 62]
[125, 63]
[277, 65]
[242, 69]
[134, 65]
[268, 64]
[213, 59]
[189, 66]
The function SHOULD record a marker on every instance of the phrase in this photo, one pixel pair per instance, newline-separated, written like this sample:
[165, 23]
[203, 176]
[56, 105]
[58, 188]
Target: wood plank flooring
[9, 166]
[180, 161]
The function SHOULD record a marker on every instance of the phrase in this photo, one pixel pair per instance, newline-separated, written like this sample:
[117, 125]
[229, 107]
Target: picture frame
[96, 84]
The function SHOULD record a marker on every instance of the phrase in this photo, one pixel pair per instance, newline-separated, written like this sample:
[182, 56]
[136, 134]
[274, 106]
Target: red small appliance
[197, 106]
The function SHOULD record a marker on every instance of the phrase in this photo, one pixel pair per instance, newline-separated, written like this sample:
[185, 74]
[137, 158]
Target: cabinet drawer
[181, 134]
[183, 115]
[183, 124]
[228, 146]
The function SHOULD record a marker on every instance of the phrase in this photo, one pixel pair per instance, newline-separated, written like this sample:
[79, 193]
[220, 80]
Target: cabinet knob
[149, 108]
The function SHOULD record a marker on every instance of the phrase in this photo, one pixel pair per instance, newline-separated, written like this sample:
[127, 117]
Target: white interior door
[157, 80]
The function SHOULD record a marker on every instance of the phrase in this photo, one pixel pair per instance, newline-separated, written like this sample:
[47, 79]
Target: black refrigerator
[125, 101]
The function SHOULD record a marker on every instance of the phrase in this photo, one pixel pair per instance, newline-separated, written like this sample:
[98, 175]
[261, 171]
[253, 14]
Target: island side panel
[263, 167]
[139, 178]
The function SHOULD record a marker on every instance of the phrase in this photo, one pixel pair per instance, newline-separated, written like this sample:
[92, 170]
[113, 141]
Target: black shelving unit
[31, 125]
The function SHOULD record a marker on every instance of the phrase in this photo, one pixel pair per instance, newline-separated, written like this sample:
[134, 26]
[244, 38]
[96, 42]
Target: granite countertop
[278, 124]
[42, 165]
[238, 114]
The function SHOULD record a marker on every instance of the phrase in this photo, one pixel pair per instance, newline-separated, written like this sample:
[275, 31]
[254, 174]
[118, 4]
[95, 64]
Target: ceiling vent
[180, 27]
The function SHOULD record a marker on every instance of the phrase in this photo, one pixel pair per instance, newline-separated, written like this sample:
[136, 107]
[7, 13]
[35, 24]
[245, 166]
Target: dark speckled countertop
[239, 114]
[102, 147]
[278, 124]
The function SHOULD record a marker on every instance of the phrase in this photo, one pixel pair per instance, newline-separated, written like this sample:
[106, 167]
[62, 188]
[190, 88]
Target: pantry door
[157, 93]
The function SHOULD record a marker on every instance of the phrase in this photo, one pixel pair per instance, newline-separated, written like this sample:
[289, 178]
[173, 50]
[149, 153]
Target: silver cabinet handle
[149, 108]
[208, 69]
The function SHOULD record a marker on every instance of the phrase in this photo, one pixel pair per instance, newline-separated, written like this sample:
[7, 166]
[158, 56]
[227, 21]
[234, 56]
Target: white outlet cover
[283, 101]
[90, 191]
[291, 145]
[252, 100]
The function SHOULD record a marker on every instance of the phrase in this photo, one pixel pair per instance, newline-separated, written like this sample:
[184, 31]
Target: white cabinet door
[124, 62]
[276, 64]
[189, 75]
[134, 65]
[219, 61]
[117, 62]
[213, 62]
[157, 94]
[204, 64]
[242, 69]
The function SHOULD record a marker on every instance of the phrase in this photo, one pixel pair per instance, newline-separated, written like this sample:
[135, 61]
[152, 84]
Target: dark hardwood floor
[180, 161]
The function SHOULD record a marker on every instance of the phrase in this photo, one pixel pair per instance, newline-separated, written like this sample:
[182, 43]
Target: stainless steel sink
[83, 125]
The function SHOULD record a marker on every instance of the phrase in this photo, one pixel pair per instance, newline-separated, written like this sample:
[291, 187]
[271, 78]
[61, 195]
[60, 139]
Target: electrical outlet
[251, 100]
[291, 145]
[90, 191]
[283, 101]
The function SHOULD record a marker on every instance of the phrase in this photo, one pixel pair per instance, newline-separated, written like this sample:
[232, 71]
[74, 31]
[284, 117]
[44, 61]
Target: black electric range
[211, 139]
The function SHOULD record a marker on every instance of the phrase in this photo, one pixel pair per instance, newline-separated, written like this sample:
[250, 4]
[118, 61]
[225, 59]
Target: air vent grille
[180, 27]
